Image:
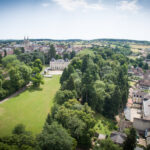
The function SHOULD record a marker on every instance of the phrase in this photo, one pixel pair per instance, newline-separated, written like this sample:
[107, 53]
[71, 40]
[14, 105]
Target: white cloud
[75, 4]
[45, 4]
[126, 5]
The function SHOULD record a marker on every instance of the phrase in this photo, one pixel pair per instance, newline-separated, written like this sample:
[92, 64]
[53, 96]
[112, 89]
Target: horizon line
[11, 39]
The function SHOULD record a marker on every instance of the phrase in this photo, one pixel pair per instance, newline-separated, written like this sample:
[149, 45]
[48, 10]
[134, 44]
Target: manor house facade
[59, 64]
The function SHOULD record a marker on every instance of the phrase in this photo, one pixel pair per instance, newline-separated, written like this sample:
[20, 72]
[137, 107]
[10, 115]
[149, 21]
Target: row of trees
[138, 62]
[59, 134]
[28, 58]
[15, 75]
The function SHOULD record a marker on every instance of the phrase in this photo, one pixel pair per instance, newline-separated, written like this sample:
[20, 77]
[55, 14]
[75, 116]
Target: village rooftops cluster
[43, 46]
[138, 105]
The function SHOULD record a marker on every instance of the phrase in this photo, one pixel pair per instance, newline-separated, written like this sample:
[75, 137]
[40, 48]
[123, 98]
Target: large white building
[59, 64]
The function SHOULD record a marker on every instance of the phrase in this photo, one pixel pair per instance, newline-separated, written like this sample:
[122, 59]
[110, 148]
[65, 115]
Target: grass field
[137, 46]
[29, 108]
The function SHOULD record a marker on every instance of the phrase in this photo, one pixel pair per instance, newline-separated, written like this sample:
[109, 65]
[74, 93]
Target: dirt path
[13, 95]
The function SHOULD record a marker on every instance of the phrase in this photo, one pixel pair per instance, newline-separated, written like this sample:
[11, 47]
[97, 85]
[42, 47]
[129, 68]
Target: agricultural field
[136, 48]
[29, 108]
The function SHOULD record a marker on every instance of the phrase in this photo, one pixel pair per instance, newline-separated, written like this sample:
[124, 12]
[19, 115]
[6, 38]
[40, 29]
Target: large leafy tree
[19, 76]
[37, 79]
[55, 137]
[63, 96]
[78, 119]
[8, 60]
[130, 142]
[1, 58]
[19, 140]
[51, 52]
[38, 63]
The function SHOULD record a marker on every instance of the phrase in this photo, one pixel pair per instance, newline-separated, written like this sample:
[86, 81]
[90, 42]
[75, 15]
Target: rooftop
[118, 137]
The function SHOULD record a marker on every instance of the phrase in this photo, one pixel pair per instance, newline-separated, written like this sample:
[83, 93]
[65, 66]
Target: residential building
[59, 64]
[141, 125]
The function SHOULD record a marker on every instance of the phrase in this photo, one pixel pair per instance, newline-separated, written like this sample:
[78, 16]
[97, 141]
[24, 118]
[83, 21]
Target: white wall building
[59, 64]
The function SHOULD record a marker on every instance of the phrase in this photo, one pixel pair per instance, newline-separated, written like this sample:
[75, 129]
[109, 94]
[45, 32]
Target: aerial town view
[74, 75]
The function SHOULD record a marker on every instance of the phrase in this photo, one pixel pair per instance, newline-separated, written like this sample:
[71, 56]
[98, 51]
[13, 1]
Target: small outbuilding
[101, 137]
[118, 137]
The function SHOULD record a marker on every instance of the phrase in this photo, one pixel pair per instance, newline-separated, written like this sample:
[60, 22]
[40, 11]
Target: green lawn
[29, 108]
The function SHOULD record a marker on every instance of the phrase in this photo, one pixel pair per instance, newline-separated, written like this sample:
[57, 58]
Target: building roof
[144, 82]
[101, 136]
[138, 148]
[59, 60]
[146, 96]
[118, 137]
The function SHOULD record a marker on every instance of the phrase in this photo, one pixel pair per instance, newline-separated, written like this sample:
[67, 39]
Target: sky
[75, 19]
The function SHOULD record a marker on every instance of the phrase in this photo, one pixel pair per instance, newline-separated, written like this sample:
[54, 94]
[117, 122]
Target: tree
[5, 53]
[5, 146]
[85, 63]
[78, 120]
[63, 96]
[1, 58]
[72, 54]
[19, 129]
[19, 75]
[55, 137]
[145, 66]
[2, 91]
[51, 52]
[8, 60]
[15, 77]
[19, 140]
[64, 76]
[25, 73]
[90, 74]
[130, 142]
[28, 58]
[148, 147]
[37, 79]
[17, 51]
[148, 56]
[38, 63]
[66, 56]
[49, 119]
[22, 50]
